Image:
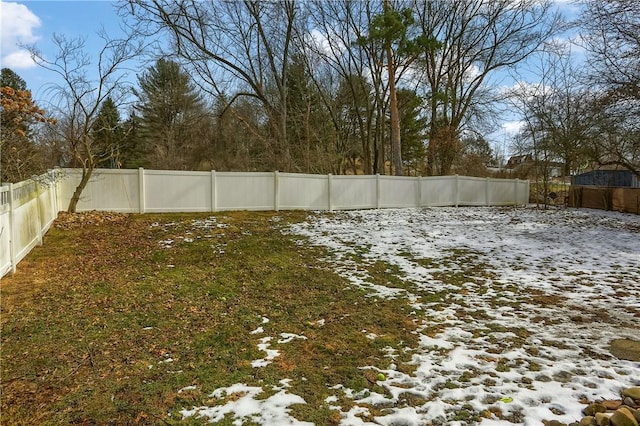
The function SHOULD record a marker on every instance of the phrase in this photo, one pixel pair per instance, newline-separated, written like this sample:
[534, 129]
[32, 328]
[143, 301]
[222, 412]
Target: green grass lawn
[108, 322]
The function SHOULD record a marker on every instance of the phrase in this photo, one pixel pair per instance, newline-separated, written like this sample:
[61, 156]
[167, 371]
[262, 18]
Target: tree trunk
[87, 172]
[396, 148]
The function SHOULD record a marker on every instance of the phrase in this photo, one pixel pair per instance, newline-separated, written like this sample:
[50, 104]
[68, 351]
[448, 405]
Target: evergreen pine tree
[170, 111]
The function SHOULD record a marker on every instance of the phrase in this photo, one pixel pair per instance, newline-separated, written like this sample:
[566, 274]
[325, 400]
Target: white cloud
[471, 73]
[20, 59]
[512, 127]
[18, 25]
[328, 45]
[320, 41]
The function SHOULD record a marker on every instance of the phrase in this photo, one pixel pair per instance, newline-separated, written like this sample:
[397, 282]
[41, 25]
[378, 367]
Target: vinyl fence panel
[521, 193]
[501, 192]
[27, 210]
[5, 230]
[398, 191]
[26, 219]
[354, 192]
[303, 191]
[48, 204]
[471, 191]
[177, 191]
[112, 190]
[245, 191]
[438, 191]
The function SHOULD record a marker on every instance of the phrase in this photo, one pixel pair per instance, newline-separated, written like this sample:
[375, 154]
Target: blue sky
[35, 22]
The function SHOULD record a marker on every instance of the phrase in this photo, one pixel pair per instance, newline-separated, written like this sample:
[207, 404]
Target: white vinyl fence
[27, 209]
[140, 191]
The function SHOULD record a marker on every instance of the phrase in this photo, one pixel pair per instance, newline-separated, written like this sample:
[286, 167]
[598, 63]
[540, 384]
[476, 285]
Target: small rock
[587, 421]
[602, 419]
[612, 404]
[553, 423]
[623, 417]
[636, 414]
[594, 408]
[629, 402]
[632, 393]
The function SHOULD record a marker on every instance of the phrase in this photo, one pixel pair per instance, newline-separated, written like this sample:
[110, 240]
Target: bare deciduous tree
[349, 75]
[558, 107]
[81, 95]
[243, 46]
[611, 36]
[478, 38]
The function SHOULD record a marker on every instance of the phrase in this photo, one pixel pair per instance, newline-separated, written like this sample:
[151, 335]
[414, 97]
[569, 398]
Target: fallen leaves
[67, 220]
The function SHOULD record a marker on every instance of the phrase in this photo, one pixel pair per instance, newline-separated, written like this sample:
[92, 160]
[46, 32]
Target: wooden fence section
[28, 209]
[621, 199]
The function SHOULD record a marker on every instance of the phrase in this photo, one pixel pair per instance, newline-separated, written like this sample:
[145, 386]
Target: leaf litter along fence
[28, 209]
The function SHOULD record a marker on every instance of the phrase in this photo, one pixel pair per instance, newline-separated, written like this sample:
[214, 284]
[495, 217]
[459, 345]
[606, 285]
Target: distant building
[524, 165]
[518, 161]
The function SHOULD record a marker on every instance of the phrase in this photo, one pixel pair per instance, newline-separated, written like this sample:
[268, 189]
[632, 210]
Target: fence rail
[28, 209]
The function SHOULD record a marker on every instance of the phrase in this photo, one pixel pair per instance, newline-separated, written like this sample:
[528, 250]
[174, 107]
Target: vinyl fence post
[377, 190]
[457, 190]
[329, 185]
[486, 192]
[38, 217]
[419, 196]
[213, 191]
[12, 231]
[515, 192]
[276, 190]
[54, 187]
[141, 189]
[59, 185]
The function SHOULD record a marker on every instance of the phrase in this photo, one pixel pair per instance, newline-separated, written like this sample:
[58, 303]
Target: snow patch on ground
[554, 288]
[244, 403]
[271, 353]
[528, 301]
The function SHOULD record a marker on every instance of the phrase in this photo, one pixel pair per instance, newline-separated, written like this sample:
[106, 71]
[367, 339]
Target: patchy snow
[271, 353]
[371, 336]
[242, 403]
[265, 344]
[540, 268]
[288, 337]
[527, 303]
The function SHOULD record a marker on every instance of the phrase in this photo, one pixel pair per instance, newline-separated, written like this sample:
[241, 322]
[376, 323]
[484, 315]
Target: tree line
[390, 87]
[580, 116]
